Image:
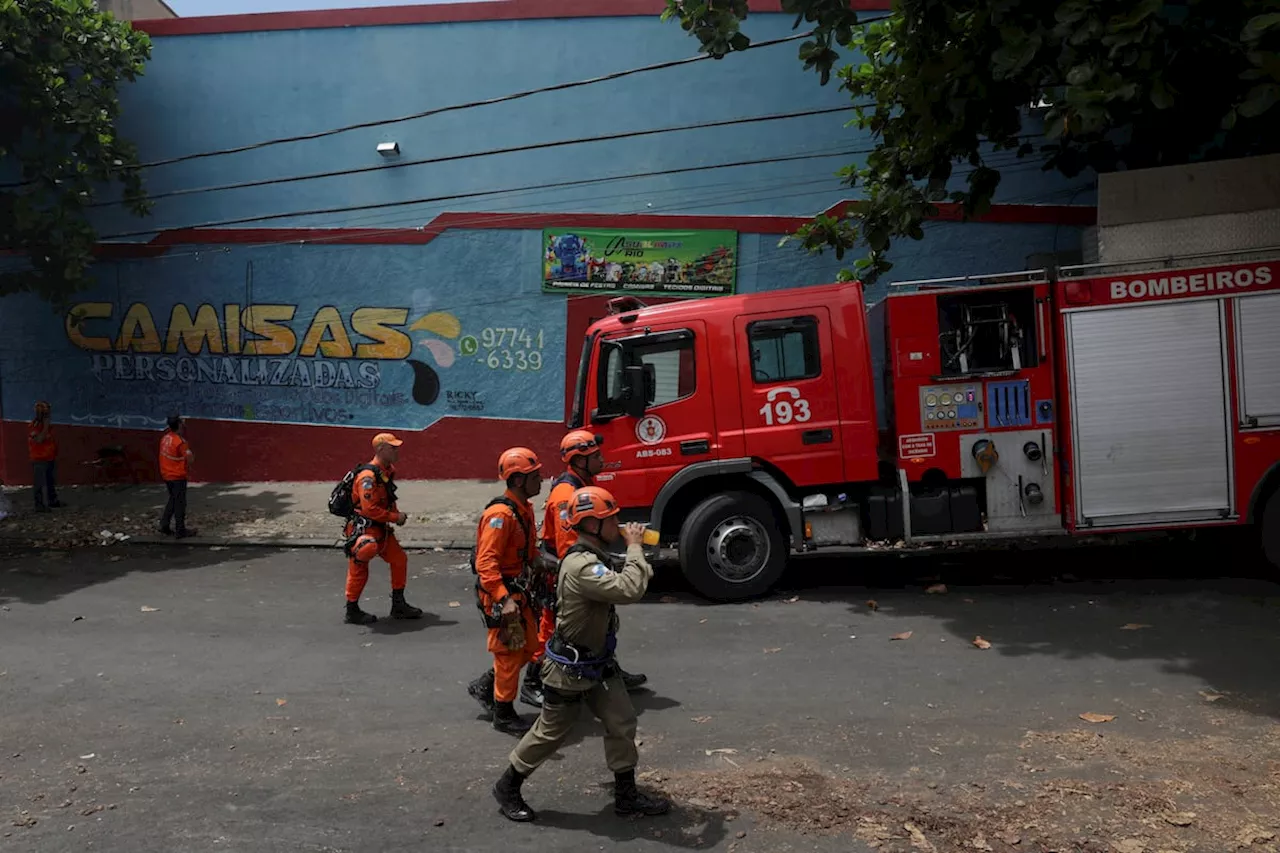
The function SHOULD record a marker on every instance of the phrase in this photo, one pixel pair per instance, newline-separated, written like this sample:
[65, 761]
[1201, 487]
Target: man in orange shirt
[42, 447]
[505, 557]
[369, 533]
[175, 466]
[581, 453]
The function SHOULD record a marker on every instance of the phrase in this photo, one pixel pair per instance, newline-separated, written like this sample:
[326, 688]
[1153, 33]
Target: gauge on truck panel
[950, 407]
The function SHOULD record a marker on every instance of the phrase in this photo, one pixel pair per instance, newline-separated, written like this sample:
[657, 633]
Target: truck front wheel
[731, 547]
[1270, 523]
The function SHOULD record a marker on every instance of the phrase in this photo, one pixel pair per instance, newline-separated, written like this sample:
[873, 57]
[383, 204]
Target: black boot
[507, 721]
[531, 687]
[401, 609]
[481, 690]
[628, 799]
[632, 680]
[507, 792]
[356, 616]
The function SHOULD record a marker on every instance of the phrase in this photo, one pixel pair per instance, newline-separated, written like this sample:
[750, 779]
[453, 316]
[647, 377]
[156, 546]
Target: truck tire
[1269, 527]
[731, 547]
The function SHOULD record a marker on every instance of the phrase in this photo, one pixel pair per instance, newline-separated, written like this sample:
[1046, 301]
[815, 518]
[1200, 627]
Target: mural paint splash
[426, 381]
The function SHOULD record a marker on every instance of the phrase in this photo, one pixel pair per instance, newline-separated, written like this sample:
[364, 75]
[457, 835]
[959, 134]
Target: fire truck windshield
[580, 387]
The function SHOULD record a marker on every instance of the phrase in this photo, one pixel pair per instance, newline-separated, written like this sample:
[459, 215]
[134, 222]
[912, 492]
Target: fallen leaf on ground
[439, 823]
[905, 635]
[1134, 626]
[702, 621]
[981, 643]
[1181, 818]
[917, 837]
[936, 589]
[873, 605]
[282, 702]
[771, 651]
[146, 609]
[1129, 845]
[793, 599]
[1210, 695]
[668, 599]
[455, 603]
[1090, 717]
[701, 719]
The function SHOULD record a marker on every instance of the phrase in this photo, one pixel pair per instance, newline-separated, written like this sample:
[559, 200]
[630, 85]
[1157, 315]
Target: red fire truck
[1077, 401]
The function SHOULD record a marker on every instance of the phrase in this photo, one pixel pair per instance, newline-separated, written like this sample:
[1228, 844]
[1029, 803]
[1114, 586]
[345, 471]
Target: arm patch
[496, 522]
[599, 570]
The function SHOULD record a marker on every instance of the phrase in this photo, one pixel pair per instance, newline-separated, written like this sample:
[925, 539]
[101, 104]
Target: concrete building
[414, 286]
[137, 10]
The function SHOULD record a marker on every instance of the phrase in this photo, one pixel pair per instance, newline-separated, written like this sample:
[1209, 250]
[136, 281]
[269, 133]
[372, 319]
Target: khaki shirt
[586, 592]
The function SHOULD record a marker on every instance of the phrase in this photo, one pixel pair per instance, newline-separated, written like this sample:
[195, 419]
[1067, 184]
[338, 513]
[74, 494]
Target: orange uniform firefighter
[369, 533]
[42, 448]
[505, 554]
[175, 468]
[580, 451]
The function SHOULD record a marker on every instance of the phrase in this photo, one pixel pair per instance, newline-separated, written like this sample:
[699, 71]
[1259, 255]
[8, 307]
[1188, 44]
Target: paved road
[239, 714]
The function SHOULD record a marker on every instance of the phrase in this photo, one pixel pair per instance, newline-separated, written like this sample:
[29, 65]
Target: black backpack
[341, 500]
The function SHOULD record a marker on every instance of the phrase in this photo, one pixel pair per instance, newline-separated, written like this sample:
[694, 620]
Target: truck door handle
[693, 448]
[816, 436]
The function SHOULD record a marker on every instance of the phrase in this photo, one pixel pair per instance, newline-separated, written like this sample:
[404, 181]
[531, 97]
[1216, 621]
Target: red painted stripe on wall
[247, 451]
[1024, 214]
[500, 10]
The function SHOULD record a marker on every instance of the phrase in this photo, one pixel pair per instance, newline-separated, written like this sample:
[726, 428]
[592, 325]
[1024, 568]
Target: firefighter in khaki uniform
[505, 557]
[579, 666]
[581, 454]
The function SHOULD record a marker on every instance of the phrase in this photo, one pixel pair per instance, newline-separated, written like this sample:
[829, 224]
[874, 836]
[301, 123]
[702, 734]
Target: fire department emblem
[651, 430]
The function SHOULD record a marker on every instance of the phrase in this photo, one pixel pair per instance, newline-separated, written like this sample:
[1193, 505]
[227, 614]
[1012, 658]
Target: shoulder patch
[496, 522]
[599, 570]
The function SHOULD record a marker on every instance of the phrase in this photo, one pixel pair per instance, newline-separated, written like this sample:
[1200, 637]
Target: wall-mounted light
[389, 149]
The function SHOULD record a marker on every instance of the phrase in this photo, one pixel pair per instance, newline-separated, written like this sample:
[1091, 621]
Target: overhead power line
[481, 193]
[334, 173]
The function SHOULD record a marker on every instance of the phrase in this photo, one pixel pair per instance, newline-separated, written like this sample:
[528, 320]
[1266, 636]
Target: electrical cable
[476, 194]
[481, 193]
[486, 153]
[555, 87]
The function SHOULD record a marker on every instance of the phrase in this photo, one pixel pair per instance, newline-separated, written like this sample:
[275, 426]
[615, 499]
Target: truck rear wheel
[731, 547]
[1269, 522]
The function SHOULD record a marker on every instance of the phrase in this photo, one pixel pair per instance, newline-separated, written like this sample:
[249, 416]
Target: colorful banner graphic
[657, 263]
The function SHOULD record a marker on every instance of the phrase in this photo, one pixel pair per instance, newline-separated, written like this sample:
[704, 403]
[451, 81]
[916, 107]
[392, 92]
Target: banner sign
[655, 263]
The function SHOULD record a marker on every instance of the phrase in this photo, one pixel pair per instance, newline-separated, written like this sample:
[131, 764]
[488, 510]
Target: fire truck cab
[1069, 402]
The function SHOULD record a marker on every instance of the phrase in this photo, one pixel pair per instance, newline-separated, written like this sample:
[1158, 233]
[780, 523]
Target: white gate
[1149, 415]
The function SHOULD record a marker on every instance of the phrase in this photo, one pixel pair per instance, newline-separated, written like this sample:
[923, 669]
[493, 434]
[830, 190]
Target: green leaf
[1259, 99]
[1254, 29]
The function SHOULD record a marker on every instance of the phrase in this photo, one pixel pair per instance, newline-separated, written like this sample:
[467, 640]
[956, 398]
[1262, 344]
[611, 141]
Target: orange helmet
[590, 502]
[579, 443]
[517, 460]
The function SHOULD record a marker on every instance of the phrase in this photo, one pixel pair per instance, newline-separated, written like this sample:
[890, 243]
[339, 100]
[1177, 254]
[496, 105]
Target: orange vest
[173, 456]
[41, 451]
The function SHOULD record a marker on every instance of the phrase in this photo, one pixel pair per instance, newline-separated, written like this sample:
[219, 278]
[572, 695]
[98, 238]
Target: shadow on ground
[684, 827]
[1204, 606]
[41, 575]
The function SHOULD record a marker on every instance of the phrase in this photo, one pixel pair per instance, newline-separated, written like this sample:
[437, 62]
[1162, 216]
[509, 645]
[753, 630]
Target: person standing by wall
[42, 448]
[175, 466]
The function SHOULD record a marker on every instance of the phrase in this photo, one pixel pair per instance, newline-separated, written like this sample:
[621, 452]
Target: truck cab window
[670, 357]
[784, 350]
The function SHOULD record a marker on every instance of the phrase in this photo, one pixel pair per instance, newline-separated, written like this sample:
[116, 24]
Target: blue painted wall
[209, 92]
[213, 91]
